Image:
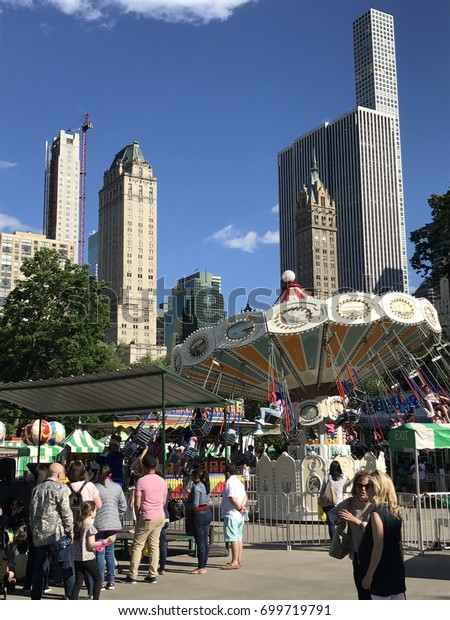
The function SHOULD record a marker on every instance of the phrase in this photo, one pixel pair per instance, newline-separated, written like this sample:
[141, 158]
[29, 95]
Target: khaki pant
[146, 530]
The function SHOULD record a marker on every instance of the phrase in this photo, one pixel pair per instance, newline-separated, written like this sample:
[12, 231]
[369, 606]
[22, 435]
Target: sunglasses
[360, 485]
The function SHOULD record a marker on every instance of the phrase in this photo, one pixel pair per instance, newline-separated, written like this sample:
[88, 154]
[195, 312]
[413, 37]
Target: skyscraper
[196, 302]
[62, 189]
[127, 244]
[315, 222]
[93, 254]
[359, 158]
[17, 248]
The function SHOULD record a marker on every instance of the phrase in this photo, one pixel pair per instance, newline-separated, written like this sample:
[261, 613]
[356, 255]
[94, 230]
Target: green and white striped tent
[24, 454]
[419, 437]
[81, 442]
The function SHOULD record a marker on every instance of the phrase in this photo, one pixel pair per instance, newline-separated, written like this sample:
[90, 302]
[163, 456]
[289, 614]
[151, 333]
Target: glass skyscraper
[359, 158]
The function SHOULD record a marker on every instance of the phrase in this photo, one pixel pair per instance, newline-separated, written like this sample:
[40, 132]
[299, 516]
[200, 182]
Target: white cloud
[275, 209]
[271, 236]
[8, 223]
[6, 164]
[191, 11]
[231, 237]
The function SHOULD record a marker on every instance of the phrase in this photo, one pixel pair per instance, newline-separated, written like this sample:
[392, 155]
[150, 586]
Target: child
[84, 545]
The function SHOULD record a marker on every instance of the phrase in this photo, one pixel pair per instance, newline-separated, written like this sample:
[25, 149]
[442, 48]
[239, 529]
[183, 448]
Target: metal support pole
[419, 504]
[163, 435]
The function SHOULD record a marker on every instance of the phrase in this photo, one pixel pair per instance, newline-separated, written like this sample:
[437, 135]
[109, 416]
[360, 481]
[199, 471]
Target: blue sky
[212, 90]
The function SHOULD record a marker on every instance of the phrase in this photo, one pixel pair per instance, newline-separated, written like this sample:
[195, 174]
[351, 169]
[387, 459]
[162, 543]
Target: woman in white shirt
[338, 482]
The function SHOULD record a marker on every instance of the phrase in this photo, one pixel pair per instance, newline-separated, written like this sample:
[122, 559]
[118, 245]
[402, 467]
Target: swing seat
[191, 453]
[174, 457]
[201, 427]
[231, 437]
[136, 442]
[272, 415]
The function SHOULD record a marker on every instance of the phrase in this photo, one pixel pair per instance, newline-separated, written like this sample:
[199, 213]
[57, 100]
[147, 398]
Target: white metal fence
[285, 519]
[290, 520]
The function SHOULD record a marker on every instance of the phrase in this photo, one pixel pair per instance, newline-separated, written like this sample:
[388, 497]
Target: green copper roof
[130, 154]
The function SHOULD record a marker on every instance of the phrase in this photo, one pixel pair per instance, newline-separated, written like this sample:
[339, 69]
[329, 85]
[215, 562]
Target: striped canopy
[419, 437]
[81, 442]
[304, 343]
[46, 451]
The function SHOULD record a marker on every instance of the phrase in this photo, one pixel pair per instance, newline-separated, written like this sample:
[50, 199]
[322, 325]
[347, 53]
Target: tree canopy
[432, 241]
[54, 322]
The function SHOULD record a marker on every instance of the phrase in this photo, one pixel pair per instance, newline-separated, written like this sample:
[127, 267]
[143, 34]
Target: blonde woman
[380, 552]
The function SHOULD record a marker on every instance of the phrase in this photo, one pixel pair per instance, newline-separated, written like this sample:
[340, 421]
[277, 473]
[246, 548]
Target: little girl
[84, 545]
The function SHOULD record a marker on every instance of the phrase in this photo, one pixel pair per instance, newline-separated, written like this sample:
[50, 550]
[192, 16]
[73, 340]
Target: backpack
[76, 498]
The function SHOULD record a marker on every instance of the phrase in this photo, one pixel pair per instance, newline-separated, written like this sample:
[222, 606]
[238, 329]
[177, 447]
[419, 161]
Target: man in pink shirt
[150, 498]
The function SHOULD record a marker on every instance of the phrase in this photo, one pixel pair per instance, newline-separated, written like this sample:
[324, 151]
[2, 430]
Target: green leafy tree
[432, 241]
[54, 322]
[162, 362]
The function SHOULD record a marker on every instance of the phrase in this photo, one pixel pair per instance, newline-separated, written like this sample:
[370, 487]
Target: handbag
[326, 498]
[340, 543]
[175, 508]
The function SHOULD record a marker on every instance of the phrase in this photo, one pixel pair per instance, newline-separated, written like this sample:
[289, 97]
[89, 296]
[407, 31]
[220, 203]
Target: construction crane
[86, 124]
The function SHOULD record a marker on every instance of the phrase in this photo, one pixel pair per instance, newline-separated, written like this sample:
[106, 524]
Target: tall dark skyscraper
[359, 158]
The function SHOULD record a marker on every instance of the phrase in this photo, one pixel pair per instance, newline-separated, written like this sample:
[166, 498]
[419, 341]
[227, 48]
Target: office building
[127, 251]
[316, 239]
[93, 254]
[359, 158]
[62, 189]
[19, 246]
[196, 302]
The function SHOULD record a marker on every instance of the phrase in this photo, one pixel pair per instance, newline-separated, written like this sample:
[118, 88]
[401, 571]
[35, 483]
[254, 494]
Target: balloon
[57, 433]
[30, 433]
[25, 435]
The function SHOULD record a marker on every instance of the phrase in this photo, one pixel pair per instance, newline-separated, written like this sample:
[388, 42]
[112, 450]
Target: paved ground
[271, 573]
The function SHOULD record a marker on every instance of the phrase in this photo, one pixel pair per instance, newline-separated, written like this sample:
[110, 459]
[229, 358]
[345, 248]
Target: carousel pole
[39, 441]
[163, 427]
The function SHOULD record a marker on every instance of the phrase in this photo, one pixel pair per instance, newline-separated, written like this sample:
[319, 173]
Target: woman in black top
[380, 552]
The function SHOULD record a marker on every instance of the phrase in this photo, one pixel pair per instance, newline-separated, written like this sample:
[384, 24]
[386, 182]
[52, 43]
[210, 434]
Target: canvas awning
[82, 442]
[419, 437]
[134, 389]
[21, 449]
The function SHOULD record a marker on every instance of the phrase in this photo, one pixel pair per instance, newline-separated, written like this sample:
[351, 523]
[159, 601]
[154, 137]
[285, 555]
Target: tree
[147, 360]
[432, 241]
[54, 322]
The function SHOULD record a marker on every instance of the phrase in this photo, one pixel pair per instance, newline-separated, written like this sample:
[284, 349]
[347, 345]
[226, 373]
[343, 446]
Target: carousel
[307, 360]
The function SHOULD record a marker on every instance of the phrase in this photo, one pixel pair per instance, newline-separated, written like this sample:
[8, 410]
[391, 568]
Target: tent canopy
[419, 437]
[81, 442]
[134, 389]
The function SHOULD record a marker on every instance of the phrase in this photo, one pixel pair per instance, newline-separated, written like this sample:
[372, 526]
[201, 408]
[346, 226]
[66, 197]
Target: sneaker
[150, 579]
[47, 590]
[130, 579]
[161, 571]
[110, 585]
[102, 589]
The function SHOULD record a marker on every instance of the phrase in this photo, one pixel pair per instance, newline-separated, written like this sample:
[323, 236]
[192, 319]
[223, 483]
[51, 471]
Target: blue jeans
[64, 558]
[106, 556]
[163, 547]
[331, 526]
[201, 523]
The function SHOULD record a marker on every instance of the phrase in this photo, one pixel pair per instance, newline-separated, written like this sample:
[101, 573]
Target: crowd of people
[68, 532]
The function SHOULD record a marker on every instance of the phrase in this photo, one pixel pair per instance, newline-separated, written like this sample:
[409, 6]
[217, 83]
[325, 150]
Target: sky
[212, 90]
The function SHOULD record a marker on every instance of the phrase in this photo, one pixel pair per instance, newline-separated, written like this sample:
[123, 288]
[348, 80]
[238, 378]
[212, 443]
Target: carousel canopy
[303, 344]
[82, 442]
[419, 437]
[135, 389]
